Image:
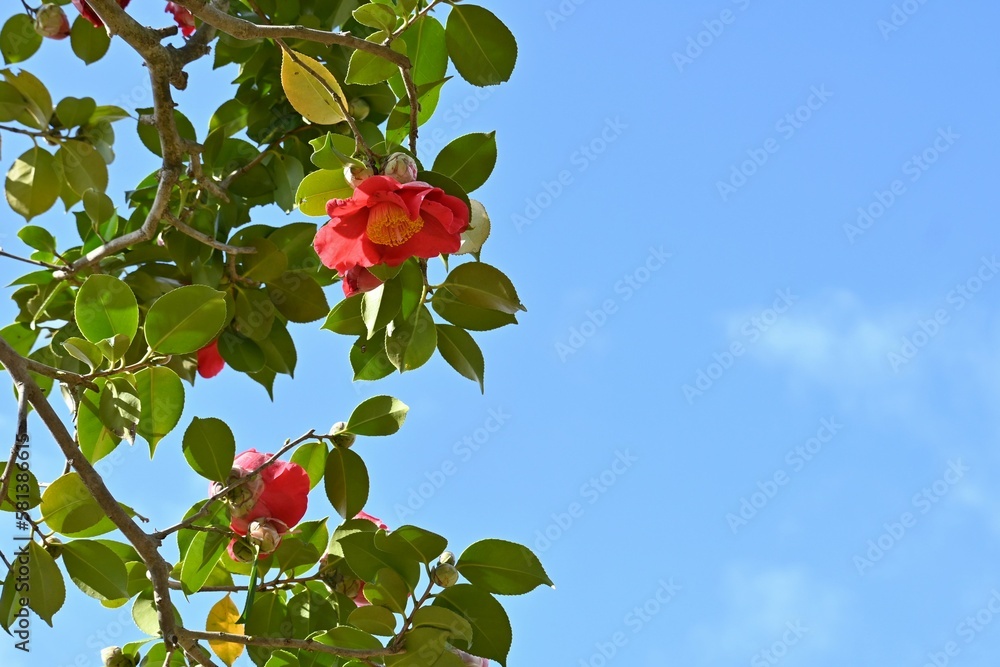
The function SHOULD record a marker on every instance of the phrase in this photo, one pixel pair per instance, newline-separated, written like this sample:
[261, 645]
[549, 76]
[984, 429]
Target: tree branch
[20, 440]
[284, 642]
[206, 239]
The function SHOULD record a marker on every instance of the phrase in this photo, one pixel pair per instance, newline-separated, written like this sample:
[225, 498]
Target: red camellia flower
[281, 494]
[359, 279]
[385, 222]
[210, 362]
[182, 17]
[89, 14]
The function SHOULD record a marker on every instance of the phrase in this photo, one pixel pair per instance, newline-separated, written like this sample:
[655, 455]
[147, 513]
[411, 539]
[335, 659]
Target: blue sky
[842, 363]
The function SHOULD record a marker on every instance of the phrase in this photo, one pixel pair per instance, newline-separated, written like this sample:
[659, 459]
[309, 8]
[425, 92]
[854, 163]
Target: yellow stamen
[388, 224]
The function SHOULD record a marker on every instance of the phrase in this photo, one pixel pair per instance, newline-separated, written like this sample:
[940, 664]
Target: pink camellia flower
[469, 660]
[182, 17]
[386, 222]
[359, 279]
[279, 493]
[51, 22]
[88, 13]
[210, 362]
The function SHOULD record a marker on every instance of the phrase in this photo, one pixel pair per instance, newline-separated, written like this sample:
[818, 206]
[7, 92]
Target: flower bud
[112, 656]
[402, 167]
[445, 575]
[447, 558]
[51, 22]
[265, 533]
[243, 498]
[239, 550]
[355, 173]
[358, 108]
[475, 236]
[340, 437]
[54, 547]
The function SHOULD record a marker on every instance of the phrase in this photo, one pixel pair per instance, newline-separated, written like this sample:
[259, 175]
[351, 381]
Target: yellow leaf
[222, 618]
[310, 88]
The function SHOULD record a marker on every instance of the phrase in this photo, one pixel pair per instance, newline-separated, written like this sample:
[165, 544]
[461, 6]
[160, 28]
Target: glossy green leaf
[443, 618]
[462, 352]
[210, 448]
[89, 43]
[32, 184]
[84, 351]
[369, 360]
[45, 582]
[23, 493]
[491, 632]
[185, 320]
[466, 316]
[381, 305]
[483, 286]
[502, 567]
[345, 318]
[377, 16]
[319, 187]
[468, 160]
[68, 507]
[18, 39]
[161, 395]
[388, 590]
[75, 111]
[379, 415]
[481, 46]
[374, 620]
[95, 569]
[105, 306]
[200, 559]
[298, 297]
[312, 457]
[410, 343]
[346, 480]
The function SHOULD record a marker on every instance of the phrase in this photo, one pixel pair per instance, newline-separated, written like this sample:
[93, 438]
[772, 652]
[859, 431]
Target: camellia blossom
[470, 660]
[210, 362]
[88, 13]
[182, 17]
[280, 492]
[386, 222]
[359, 279]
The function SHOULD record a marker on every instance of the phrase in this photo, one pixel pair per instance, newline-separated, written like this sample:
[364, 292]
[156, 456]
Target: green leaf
[12, 103]
[426, 45]
[491, 632]
[345, 636]
[303, 547]
[466, 316]
[481, 46]
[150, 138]
[98, 206]
[85, 351]
[38, 238]
[200, 559]
[23, 493]
[374, 620]
[106, 306]
[161, 395]
[468, 160]
[346, 481]
[425, 545]
[119, 407]
[481, 285]
[210, 448]
[462, 352]
[83, 167]
[369, 359]
[265, 265]
[443, 618]
[10, 600]
[282, 659]
[88, 43]
[311, 88]
[45, 583]
[96, 439]
[365, 559]
[36, 96]
[298, 297]
[75, 111]
[379, 415]
[95, 569]
[32, 183]
[312, 457]
[185, 320]
[367, 68]
[502, 567]
[319, 187]
[254, 313]
[377, 16]
[410, 343]
[345, 318]
[241, 353]
[381, 305]
[18, 39]
[388, 590]
[423, 648]
[68, 507]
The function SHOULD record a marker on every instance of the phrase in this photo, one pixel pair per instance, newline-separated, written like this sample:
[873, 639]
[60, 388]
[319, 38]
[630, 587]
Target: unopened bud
[475, 236]
[359, 108]
[51, 22]
[355, 173]
[54, 547]
[402, 167]
[445, 575]
[265, 533]
[240, 551]
[340, 437]
[447, 558]
[112, 656]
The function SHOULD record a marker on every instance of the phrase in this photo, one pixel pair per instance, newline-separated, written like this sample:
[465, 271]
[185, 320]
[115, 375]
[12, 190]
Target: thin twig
[26, 260]
[265, 586]
[20, 440]
[284, 642]
[206, 239]
[403, 28]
